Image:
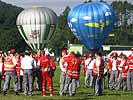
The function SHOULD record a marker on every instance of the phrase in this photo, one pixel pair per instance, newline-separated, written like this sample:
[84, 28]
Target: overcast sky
[57, 5]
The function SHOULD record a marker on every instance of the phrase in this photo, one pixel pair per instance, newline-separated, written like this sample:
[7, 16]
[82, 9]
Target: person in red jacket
[72, 74]
[10, 71]
[52, 66]
[121, 67]
[18, 67]
[114, 71]
[63, 65]
[45, 78]
[130, 71]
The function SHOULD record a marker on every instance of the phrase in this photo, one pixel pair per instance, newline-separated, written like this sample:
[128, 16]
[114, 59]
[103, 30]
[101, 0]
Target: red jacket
[117, 64]
[18, 67]
[44, 63]
[101, 66]
[130, 62]
[52, 64]
[73, 68]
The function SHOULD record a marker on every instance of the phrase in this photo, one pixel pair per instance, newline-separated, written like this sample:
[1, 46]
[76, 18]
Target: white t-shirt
[114, 65]
[90, 63]
[27, 62]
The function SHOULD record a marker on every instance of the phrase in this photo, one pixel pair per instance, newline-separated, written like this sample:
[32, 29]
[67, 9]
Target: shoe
[4, 93]
[44, 95]
[72, 95]
[51, 94]
[16, 93]
[25, 94]
[30, 94]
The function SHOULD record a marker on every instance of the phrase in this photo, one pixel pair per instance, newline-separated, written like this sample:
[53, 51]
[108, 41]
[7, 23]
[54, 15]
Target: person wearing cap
[46, 79]
[1, 68]
[98, 73]
[89, 63]
[63, 65]
[114, 71]
[130, 71]
[10, 63]
[121, 67]
[27, 65]
[72, 74]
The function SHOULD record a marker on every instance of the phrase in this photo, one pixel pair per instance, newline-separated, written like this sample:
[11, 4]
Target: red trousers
[46, 79]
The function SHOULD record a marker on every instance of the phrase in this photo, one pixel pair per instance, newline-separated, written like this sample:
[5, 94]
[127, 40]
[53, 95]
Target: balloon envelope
[91, 23]
[36, 25]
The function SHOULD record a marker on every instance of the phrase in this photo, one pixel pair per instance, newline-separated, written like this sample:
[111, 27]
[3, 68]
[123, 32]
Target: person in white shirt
[89, 63]
[27, 64]
[114, 71]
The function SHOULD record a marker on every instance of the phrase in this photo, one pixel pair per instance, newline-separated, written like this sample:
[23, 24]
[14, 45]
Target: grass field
[82, 93]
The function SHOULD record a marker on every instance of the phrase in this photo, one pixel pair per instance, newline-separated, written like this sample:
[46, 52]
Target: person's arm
[61, 66]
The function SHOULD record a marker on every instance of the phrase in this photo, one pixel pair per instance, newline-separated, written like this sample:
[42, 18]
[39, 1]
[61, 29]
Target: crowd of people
[24, 68]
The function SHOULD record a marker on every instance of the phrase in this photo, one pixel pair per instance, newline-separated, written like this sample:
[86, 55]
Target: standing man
[114, 71]
[37, 71]
[27, 64]
[130, 71]
[121, 67]
[72, 74]
[10, 71]
[46, 78]
[98, 72]
[89, 63]
[63, 65]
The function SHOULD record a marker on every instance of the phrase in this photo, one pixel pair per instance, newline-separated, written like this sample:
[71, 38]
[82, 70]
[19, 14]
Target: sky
[57, 5]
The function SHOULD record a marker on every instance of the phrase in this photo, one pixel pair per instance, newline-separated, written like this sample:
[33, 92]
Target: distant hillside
[9, 35]
[8, 13]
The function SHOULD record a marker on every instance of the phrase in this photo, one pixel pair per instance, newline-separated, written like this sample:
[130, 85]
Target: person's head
[43, 52]
[115, 55]
[39, 52]
[131, 50]
[85, 55]
[120, 55]
[98, 54]
[90, 55]
[72, 53]
[12, 51]
[27, 53]
[63, 52]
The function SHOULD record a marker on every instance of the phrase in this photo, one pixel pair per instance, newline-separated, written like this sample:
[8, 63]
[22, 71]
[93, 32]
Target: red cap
[64, 51]
[112, 54]
[12, 51]
[1, 52]
[121, 54]
[115, 54]
[72, 53]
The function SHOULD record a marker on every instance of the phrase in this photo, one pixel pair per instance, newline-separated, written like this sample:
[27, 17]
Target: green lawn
[82, 93]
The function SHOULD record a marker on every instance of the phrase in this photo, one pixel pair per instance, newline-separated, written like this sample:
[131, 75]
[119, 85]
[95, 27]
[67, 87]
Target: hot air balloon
[36, 25]
[91, 23]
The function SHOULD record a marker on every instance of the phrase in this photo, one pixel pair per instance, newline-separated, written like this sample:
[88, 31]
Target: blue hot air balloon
[91, 23]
